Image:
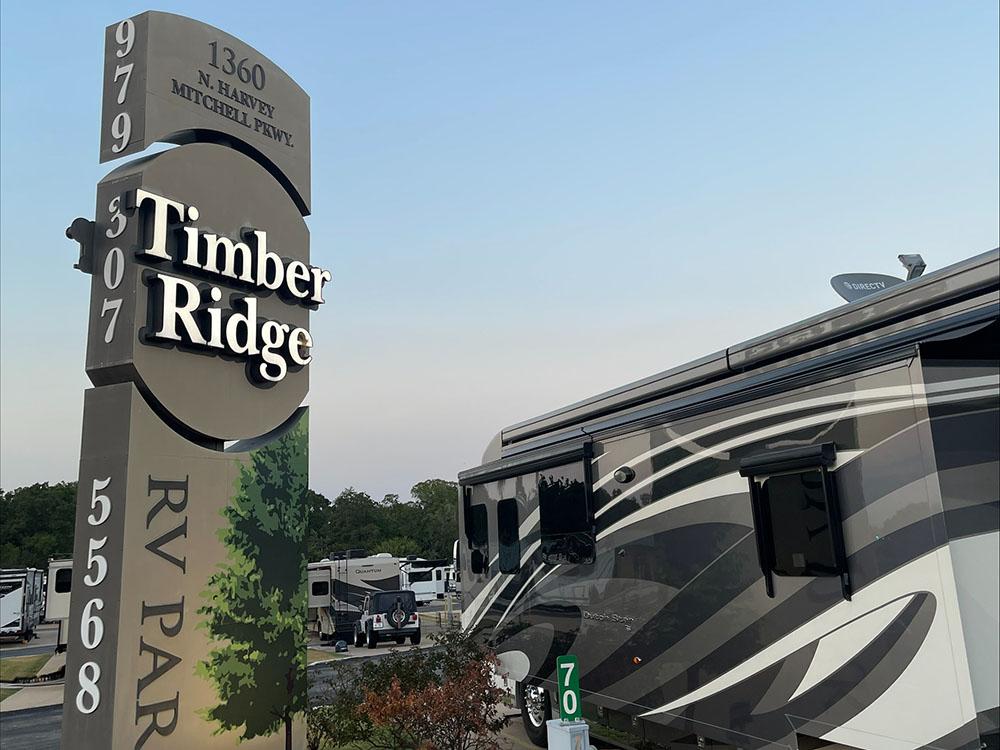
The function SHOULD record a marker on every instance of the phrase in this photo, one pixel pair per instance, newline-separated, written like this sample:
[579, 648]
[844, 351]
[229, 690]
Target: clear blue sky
[526, 203]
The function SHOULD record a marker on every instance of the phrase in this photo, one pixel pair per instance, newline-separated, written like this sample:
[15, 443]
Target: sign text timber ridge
[184, 313]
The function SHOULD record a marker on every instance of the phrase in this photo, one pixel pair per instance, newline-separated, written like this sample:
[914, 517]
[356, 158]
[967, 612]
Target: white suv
[388, 616]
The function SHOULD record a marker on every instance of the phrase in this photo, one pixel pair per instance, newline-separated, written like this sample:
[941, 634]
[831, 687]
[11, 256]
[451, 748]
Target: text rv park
[182, 312]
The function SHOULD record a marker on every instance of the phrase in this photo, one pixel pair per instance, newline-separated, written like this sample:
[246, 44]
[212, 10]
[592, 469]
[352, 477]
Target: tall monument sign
[187, 623]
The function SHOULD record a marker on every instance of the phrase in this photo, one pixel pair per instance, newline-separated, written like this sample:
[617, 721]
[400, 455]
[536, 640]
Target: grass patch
[7, 692]
[314, 654]
[21, 666]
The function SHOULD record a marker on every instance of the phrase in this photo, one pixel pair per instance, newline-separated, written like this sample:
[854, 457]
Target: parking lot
[38, 728]
[44, 642]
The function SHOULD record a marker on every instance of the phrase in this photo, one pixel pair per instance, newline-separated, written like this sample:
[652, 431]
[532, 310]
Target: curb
[23, 685]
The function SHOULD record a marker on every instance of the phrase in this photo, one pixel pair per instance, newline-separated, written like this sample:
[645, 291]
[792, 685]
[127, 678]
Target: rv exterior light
[914, 265]
[624, 475]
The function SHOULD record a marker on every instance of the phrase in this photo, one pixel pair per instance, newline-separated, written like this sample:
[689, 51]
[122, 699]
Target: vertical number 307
[114, 267]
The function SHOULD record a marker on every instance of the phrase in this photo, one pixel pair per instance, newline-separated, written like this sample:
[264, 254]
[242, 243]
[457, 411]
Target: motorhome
[429, 580]
[58, 587]
[338, 586]
[792, 542]
[21, 602]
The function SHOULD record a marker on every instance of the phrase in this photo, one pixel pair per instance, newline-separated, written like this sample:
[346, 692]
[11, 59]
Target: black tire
[537, 733]
[415, 639]
[372, 639]
[359, 638]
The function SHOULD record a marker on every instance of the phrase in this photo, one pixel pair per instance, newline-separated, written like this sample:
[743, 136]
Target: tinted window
[386, 602]
[321, 588]
[479, 539]
[64, 580]
[478, 526]
[564, 516]
[508, 536]
[419, 576]
[795, 508]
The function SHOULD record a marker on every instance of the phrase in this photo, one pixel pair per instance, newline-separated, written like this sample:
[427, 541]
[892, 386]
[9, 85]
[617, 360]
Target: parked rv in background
[338, 586]
[790, 543]
[429, 580]
[21, 602]
[58, 586]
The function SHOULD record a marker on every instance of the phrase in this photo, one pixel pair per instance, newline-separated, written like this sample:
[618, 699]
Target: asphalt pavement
[31, 729]
[26, 651]
[39, 729]
[44, 643]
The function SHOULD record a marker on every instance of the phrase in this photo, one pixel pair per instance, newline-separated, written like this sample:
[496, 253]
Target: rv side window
[479, 538]
[508, 536]
[321, 588]
[565, 518]
[64, 579]
[798, 522]
[797, 515]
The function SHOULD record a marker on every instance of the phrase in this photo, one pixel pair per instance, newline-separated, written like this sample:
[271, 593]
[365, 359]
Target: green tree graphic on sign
[256, 608]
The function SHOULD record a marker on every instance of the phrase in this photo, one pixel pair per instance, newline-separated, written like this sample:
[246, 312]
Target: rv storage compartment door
[796, 514]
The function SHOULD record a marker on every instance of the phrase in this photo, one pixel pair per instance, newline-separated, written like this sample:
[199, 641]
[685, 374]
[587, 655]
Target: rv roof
[924, 294]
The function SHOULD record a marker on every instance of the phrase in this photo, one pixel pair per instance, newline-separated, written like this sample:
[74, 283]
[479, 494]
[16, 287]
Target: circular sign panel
[202, 291]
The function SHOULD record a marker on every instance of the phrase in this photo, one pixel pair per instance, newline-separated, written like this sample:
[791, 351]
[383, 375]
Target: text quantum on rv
[185, 313]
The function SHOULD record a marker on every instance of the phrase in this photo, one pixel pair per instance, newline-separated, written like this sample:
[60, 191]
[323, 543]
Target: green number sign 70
[569, 687]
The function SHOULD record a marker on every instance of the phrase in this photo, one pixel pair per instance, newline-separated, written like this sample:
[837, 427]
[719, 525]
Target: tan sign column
[188, 615]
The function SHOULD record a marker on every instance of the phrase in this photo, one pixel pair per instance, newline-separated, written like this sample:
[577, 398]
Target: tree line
[426, 525]
[36, 522]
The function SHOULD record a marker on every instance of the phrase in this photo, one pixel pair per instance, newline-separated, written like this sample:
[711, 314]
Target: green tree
[36, 523]
[401, 546]
[354, 520]
[357, 521]
[319, 532]
[256, 608]
[437, 501]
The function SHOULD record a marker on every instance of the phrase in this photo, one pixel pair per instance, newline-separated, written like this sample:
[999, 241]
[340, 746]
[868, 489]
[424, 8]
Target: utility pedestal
[568, 735]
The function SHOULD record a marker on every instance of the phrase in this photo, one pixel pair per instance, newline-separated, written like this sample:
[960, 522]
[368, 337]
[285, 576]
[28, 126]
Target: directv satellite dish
[854, 286]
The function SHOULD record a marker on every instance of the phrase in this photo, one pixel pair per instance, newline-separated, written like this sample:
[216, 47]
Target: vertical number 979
[121, 126]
